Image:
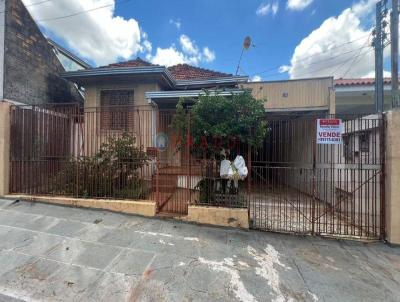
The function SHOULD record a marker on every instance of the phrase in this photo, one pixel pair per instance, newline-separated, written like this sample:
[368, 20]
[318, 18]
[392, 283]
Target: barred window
[364, 141]
[348, 148]
[116, 109]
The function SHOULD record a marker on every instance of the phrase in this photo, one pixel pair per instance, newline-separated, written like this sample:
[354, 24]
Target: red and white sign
[329, 131]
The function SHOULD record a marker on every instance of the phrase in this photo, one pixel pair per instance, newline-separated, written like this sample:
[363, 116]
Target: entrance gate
[302, 187]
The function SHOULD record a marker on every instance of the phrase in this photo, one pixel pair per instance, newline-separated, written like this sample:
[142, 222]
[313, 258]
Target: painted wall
[295, 94]
[143, 115]
[358, 104]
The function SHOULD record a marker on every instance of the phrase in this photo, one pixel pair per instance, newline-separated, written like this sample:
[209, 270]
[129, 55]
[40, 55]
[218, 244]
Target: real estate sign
[329, 131]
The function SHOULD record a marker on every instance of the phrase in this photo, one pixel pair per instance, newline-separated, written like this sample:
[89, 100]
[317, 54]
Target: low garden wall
[143, 208]
[227, 217]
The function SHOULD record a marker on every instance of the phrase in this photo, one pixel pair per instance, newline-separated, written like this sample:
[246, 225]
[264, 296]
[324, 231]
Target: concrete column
[332, 99]
[393, 177]
[4, 148]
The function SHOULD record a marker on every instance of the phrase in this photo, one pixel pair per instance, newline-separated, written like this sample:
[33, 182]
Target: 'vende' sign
[329, 131]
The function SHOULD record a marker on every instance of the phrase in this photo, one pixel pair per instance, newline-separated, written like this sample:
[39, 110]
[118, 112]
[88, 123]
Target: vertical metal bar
[314, 185]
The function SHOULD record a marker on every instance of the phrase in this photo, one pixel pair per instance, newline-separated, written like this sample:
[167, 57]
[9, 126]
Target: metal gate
[302, 187]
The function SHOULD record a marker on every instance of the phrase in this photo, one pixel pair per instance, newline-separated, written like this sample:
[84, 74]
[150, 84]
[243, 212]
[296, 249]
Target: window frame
[361, 143]
[111, 113]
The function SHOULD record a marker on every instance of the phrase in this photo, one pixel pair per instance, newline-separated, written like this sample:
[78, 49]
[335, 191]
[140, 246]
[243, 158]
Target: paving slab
[55, 253]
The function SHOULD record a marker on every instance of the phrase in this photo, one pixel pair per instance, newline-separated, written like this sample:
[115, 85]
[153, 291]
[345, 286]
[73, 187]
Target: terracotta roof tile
[359, 82]
[188, 72]
[179, 72]
[138, 62]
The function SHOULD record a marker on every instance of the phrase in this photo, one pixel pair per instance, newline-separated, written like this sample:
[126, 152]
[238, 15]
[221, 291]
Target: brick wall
[30, 65]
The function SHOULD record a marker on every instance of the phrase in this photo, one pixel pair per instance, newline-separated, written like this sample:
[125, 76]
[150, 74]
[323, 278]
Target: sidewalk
[52, 253]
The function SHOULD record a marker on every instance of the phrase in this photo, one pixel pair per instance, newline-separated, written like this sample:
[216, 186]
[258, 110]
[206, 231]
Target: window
[116, 109]
[347, 148]
[364, 141]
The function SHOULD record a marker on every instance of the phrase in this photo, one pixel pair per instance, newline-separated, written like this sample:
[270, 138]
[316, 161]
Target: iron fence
[293, 185]
[303, 187]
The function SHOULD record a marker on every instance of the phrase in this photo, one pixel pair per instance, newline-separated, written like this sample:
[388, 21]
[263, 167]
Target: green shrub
[112, 172]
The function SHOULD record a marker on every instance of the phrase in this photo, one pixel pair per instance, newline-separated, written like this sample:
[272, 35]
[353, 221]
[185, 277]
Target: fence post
[392, 173]
[5, 128]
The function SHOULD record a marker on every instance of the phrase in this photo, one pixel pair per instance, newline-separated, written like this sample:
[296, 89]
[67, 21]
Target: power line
[325, 67]
[37, 3]
[348, 42]
[353, 62]
[29, 5]
[346, 60]
[306, 59]
[320, 61]
[81, 12]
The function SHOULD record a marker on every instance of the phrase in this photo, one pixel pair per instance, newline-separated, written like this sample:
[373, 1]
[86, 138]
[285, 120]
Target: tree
[240, 117]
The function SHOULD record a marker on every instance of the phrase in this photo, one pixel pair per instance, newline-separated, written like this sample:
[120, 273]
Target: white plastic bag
[240, 166]
[225, 170]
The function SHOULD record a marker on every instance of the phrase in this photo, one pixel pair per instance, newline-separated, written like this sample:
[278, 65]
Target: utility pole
[394, 37]
[379, 46]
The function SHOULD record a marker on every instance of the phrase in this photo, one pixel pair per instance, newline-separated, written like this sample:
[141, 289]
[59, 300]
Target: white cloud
[188, 46]
[208, 54]
[98, 35]
[168, 57]
[177, 23]
[256, 78]
[298, 4]
[146, 44]
[284, 68]
[188, 53]
[275, 8]
[267, 8]
[327, 51]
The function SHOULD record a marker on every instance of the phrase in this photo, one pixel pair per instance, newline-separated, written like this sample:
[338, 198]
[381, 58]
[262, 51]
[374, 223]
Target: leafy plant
[112, 172]
[240, 117]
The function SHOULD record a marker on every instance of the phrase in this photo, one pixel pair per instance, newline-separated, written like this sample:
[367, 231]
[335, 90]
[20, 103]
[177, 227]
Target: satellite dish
[246, 46]
[247, 43]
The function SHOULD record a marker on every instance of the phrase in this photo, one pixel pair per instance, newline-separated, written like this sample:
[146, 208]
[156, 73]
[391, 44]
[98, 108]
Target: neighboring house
[356, 96]
[29, 66]
[313, 95]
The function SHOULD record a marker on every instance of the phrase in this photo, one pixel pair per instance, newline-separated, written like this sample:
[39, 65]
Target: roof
[138, 62]
[179, 76]
[188, 72]
[69, 54]
[359, 82]
[179, 72]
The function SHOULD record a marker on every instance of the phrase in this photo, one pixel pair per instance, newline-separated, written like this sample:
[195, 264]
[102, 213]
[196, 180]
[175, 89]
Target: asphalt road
[53, 253]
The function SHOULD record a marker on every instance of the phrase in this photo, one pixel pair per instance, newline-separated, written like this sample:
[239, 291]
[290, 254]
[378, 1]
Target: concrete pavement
[53, 253]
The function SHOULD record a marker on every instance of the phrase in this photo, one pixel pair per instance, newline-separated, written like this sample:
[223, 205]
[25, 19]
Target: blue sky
[224, 24]
[306, 38]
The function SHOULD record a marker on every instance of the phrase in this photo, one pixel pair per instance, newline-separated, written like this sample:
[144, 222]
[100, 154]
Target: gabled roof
[359, 82]
[188, 72]
[181, 76]
[138, 62]
[179, 72]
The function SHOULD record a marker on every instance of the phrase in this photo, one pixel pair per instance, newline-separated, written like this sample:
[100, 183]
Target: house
[147, 91]
[306, 96]
[356, 96]
[30, 65]
[140, 98]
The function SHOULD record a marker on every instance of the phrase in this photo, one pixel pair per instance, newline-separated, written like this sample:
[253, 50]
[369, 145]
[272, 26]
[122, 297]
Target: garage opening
[301, 186]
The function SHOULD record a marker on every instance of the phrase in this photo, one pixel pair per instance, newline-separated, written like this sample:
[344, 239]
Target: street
[54, 253]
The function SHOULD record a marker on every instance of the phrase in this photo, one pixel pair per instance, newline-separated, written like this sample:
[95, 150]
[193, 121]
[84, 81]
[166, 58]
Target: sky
[290, 38]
